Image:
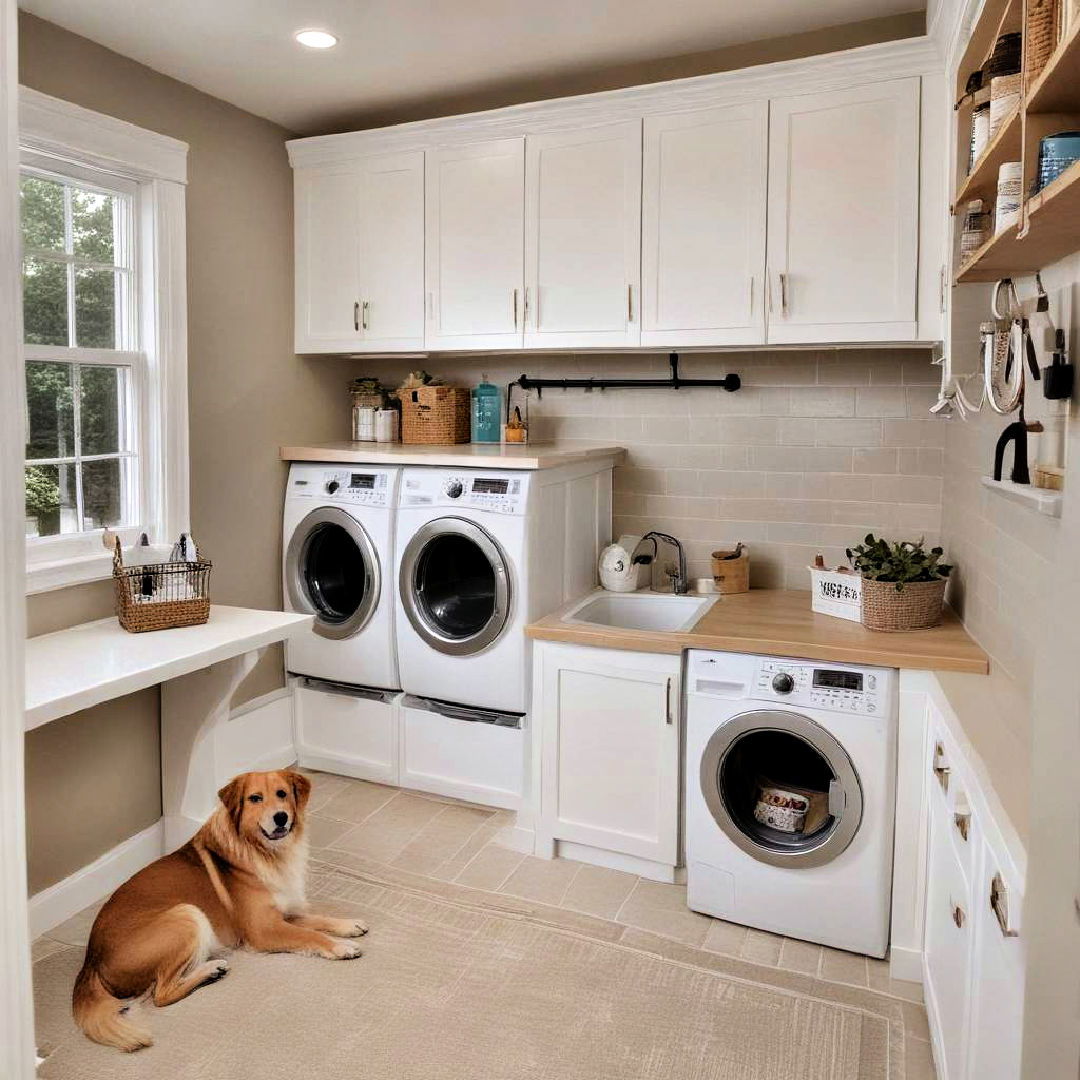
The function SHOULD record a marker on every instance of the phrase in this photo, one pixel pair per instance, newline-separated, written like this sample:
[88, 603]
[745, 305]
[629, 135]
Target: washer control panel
[493, 492]
[842, 688]
[355, 485]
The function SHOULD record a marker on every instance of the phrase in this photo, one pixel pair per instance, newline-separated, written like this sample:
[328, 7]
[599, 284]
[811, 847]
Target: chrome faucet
[679, 582]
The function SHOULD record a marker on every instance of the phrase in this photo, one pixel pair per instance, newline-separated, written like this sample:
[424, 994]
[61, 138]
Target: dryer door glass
[332, 572]
[455, 586]
[782, 788]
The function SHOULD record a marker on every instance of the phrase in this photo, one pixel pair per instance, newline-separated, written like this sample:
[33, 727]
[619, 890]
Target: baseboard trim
[50, 907]
[615, 860]
[906, 964]
[346, 765]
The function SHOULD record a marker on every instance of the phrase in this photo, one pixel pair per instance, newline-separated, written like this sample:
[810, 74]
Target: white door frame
[17, 1056]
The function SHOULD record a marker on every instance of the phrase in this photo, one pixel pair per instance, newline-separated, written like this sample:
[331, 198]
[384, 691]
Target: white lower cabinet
[973, 953]
[607, 749]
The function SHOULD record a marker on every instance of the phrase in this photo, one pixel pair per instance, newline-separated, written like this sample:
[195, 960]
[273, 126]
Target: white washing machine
[338, 545]
[767, 738]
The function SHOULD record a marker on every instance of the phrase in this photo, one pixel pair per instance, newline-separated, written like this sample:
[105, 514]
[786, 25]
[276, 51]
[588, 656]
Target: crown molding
[69, 132]
[868, 63]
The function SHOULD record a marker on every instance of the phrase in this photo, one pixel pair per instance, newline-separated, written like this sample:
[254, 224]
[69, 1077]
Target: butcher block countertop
[459, 456]
[779, 622]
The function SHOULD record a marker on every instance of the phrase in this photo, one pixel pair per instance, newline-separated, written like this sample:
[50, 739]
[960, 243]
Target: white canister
[1010, 187]
[1004, 99]
[386, 425]
[363, 423]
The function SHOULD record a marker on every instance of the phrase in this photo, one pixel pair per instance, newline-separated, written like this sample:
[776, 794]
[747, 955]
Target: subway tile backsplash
[815, 450]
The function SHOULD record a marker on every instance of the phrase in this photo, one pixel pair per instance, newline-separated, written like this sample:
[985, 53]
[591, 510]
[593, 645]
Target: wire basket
[160, 596]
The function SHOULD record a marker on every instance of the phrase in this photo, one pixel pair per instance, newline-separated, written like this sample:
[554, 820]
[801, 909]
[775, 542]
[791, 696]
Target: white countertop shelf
[94, 662]
[1042, 499]
[459, 456]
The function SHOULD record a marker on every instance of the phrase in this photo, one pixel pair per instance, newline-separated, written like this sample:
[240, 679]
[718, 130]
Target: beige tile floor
[453, 841]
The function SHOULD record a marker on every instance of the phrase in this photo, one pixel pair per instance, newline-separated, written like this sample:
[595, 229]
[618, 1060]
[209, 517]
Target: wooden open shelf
[1050, 219]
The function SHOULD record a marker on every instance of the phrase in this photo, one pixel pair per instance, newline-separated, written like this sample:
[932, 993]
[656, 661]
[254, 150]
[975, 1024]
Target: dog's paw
[218, 970]
[345, 950]
[354, 928]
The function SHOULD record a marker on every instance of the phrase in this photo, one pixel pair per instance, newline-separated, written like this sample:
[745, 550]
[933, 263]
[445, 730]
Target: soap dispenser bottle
[486, 413]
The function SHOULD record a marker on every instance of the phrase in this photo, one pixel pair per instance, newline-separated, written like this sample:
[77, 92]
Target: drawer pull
[667, 701]
[958, 916]
[941, 770]
[962, 821]
[999, 905]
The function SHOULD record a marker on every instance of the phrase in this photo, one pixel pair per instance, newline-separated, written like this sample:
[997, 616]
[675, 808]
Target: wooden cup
[731, 575]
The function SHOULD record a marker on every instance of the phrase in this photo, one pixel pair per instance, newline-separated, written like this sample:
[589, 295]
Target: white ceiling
[393, 52]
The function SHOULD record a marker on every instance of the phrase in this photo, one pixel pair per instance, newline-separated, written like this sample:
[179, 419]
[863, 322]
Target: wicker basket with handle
[160, 596]
[433, 415]
[919, 605]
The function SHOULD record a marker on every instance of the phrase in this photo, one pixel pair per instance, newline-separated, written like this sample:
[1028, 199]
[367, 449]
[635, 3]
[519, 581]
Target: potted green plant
[903, 583]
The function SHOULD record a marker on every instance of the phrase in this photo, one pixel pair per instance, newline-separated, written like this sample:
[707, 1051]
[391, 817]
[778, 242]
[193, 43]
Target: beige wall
[817, 448]
[248, 394]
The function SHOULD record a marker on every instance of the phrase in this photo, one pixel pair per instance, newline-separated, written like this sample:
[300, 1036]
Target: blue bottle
[486, 413]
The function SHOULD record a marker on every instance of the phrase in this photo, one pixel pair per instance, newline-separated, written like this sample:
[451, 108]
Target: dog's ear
[232, 798]
[301, 788]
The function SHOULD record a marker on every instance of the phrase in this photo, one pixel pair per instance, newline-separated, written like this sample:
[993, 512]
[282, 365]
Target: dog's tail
[102, 1016]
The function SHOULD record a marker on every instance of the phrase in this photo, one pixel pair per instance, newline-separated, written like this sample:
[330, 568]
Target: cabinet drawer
[347, 732]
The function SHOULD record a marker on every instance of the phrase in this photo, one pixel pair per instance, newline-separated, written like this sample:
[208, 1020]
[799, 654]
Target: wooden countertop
[460, 456]
[779, 622]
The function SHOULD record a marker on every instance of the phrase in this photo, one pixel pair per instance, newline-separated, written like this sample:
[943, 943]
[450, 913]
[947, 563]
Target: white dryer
[338, 544]
[765, 732]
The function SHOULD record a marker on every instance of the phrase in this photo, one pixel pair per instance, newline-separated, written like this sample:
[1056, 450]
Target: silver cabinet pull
[667, 701]
[999, 905]
[525, 312]
[783, 295]
[629, 303]
[515, 309]
[941, 770]
[364, 308]
[962, 821]
[356, 315]
[958, 916]
[751, 298]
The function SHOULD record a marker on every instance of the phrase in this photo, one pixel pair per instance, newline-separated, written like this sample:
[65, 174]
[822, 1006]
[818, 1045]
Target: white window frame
[75, 140]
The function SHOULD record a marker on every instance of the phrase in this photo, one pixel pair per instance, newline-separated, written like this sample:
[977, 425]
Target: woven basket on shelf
[160, 596]
[433, 415]
[1040, 36]
[917, 606]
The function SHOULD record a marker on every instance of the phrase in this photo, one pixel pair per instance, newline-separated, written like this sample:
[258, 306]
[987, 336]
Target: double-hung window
[104, 337]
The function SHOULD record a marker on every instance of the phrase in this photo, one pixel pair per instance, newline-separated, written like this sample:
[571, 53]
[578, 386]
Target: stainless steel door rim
[418, 611]
[296, 577]
[834, 840]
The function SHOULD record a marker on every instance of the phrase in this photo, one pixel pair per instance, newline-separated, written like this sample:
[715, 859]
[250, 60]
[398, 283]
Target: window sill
[1041, 499]
[47, 576]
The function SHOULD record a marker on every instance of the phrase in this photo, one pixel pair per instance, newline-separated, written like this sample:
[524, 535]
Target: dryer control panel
[493, 492]
[841, 687]
[356, 485]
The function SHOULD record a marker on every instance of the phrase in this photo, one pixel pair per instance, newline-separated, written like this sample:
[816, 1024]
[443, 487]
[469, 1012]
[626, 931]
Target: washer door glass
[782, 788]
[332, 571]
[455, 586]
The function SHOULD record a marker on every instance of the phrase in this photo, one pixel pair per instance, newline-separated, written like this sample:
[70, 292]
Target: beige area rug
[459, 984]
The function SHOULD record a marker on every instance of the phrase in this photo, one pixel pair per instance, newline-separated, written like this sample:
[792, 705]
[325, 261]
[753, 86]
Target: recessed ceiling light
[316, 39]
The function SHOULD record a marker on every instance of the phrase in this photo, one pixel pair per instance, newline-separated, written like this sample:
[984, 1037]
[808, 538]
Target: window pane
[44, 302]
[50, 500]
[50, 428]
[102, 500]
[92, 215]
[95, 308]
[102, 392]
[42, 204]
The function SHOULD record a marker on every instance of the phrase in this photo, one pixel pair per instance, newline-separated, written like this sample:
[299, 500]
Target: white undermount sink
[642, 610]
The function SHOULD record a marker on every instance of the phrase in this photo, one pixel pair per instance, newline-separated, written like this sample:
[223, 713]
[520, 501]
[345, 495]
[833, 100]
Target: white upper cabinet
[476, 245]
[360, 256]
[583, 237]
[703, 227]
[844, 214]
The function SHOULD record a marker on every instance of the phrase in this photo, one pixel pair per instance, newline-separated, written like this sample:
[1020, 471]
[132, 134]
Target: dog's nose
[281, 819]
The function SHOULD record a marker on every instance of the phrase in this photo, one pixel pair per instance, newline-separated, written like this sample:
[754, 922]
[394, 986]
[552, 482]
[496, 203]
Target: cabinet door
[843, 214]
[583, 237]
[390, 250]
[703, 227]
[610, 751]
[997, 1008]
[327, 208]
[476, 245]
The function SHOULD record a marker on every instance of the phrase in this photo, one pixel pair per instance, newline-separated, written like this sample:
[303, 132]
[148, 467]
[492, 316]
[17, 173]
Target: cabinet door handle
[515, 309]
[364, 308]
[525, 311]
[667, 702]
[783, 295]
[962, 821]
[999, 905]
[356, 315]
[958, 916]
[629, 303]
[751, 298]
[941, 771]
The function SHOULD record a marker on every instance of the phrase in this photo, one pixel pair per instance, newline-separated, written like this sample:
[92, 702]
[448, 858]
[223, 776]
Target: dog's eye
[282, 795]
[254, 798]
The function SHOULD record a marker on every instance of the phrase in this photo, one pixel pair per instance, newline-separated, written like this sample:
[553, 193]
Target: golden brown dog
[239, 881]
